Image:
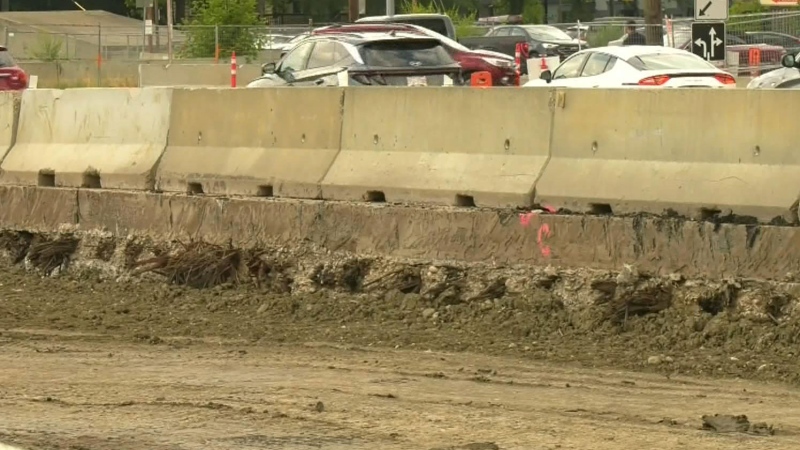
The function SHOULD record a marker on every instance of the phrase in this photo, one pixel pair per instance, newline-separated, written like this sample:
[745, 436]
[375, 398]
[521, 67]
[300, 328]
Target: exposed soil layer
[148, 291]
[136, 344]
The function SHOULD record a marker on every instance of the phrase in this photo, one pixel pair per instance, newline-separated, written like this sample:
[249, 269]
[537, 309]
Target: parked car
[787, 77]
[682, 39]
[635, 66]
[369, 59]
[275, 41]
[542, 40]
[787, 41]
[500, 66]
[12, 77]
[770, 54]
[439, 23]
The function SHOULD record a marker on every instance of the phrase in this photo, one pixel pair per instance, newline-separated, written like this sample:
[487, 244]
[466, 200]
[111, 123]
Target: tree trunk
[352, 10]
[654, 32]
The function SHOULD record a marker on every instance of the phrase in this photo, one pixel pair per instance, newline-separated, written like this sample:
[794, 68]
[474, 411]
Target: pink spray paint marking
[542, 234]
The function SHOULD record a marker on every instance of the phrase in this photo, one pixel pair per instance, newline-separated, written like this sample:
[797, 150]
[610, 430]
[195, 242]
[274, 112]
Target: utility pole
[352, 10]
[390, 8]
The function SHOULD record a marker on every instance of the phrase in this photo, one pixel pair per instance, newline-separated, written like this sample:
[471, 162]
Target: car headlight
[498, 62]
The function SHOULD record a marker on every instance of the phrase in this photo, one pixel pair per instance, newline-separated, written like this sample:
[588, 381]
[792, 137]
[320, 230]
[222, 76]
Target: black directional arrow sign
[711, 9]
[708, 40]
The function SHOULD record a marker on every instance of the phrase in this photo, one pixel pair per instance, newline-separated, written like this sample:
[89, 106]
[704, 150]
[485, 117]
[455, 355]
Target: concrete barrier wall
[445, 146]
[54, 75]
[110, 138]
[693, 152]
[195, 74]
[71, 74]
[9, 113]
[251, 141]
[698, 153]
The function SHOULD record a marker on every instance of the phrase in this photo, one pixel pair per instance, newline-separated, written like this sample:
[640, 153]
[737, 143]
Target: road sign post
[711, 10]
[708, 40]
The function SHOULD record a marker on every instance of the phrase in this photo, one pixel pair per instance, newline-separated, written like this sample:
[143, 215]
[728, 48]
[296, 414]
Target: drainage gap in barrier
[195, 188]
[375, 197]
[265, 190]
[91, 180]
[465, 200]
[600, 209]
[709, 213]
[46, 179]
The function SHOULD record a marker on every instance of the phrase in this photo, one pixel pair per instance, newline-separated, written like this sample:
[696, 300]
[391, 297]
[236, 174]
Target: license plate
[417, 81]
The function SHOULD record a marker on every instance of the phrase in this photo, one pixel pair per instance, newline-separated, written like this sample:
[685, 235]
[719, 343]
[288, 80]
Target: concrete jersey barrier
[255, 142]
[94, 138]
[693, 152]
[9, 113]
[483, 147]
[208, 75]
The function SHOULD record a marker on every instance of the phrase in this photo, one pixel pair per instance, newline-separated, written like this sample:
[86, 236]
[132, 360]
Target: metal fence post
[216, 43]
[99, 52]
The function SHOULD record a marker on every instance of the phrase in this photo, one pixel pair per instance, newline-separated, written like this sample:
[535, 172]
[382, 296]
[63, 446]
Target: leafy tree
[533, 12]
[234, 21]
[739, 25]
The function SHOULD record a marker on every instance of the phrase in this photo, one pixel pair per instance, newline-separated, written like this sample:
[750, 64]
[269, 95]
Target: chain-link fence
[70, 42]
[771, 33]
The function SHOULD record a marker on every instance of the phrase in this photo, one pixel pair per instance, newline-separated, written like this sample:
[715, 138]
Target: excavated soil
[92, 294]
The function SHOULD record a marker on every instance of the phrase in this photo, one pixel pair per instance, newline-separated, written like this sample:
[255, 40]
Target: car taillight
[17, 79]
[657, 80]
[725, 79]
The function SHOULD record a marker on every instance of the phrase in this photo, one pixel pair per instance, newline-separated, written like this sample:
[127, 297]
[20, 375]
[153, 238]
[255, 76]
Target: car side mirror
[789, 61]
[268, 68]
[546, 75]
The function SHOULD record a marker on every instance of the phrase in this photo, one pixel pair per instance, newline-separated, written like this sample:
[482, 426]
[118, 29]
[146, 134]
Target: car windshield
[661, 61]
[545, 32]
[405, 53]
[6, 60]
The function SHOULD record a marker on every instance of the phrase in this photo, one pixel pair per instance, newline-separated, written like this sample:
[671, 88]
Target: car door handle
[319, 82]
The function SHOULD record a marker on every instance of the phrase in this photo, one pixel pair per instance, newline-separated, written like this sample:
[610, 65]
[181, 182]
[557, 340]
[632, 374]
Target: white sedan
[635, 66]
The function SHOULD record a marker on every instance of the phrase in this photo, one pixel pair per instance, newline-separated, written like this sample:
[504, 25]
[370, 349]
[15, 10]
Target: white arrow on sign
[715, 41]
[701, 43]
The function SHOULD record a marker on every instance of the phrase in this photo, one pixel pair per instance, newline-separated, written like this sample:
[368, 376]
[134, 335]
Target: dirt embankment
[148, 290]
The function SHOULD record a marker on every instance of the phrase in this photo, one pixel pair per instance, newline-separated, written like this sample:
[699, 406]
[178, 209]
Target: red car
[12, 77]
[500, 66]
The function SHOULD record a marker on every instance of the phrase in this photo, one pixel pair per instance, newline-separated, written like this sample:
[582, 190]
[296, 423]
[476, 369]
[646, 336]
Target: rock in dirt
[654, 360]
[472, 446]
[427, 313]
[727, 423]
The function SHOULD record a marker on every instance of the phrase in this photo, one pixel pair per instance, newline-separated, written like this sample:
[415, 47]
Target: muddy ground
[122, 359]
